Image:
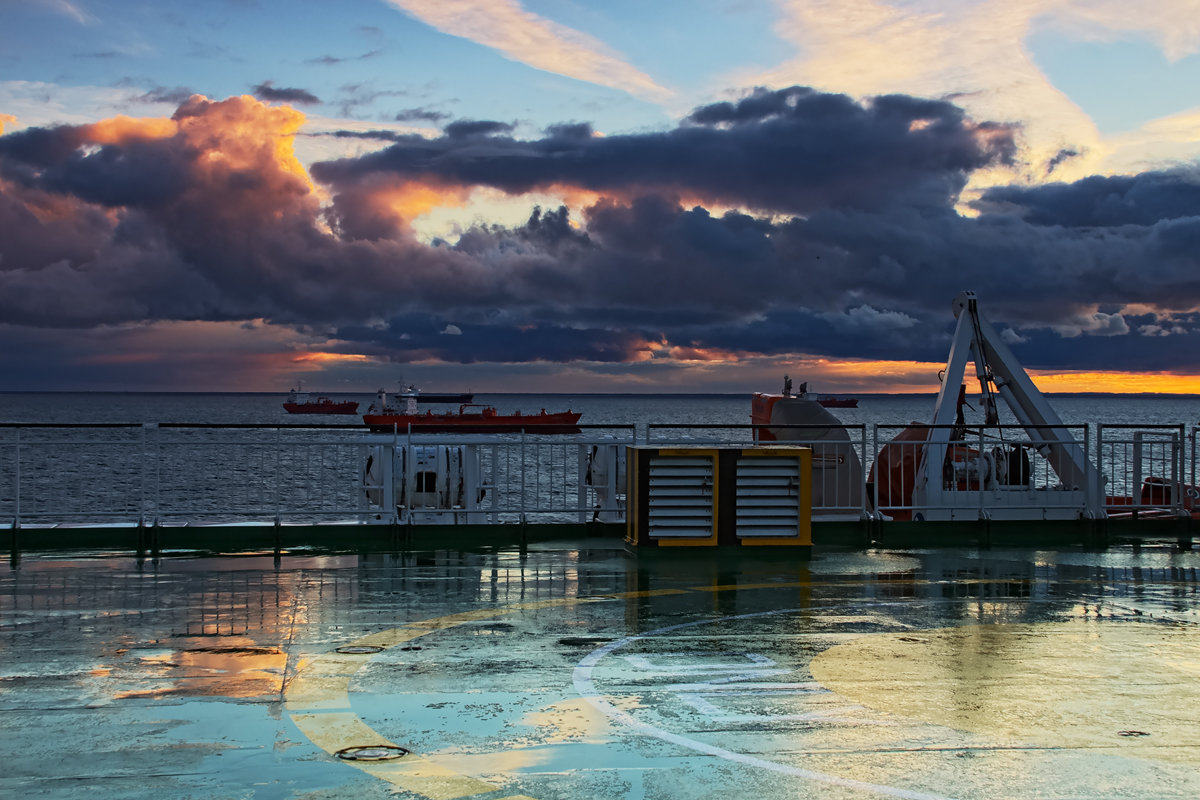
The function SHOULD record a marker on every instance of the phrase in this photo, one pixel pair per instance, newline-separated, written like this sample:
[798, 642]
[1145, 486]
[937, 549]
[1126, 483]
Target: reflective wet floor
[572, 670]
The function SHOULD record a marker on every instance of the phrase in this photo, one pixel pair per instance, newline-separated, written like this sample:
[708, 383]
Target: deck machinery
[956, 482]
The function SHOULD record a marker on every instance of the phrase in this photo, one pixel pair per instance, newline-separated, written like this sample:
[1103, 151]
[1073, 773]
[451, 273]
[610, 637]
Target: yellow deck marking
[865, 670]
[322, 685]
[1081, 684]
[318, 699]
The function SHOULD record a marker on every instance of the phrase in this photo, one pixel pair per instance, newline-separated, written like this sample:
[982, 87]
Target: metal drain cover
[371, 752]
[358, 649]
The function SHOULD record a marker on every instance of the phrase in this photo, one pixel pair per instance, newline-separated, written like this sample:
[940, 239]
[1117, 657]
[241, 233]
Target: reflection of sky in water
[182, 664]
[1123, 686]
[232, 666]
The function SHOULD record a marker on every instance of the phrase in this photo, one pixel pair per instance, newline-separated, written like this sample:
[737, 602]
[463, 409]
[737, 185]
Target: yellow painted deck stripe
[318, 699]
[318, 695]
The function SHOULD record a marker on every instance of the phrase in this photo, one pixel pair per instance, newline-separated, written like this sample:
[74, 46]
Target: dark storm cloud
[468, 128]
[793, 150]
[1062, 156]
[374, 135]
[420, 115]
[26, 151]
[419, 337]
[759, 105]
[572, 130]
[271, 93]
[1105, 201]
[207, 218]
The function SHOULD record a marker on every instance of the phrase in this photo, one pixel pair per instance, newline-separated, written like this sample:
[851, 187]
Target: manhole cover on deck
[373, 752]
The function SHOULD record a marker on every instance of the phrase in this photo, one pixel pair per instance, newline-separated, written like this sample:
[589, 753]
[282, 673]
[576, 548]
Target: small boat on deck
[381, 416]
[300, 402]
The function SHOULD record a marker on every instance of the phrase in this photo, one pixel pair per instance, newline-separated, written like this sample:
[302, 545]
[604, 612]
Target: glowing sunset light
[123, 129]
[1116, 382]
[411, 200]
[903, 377]
[704, 354]
[316, 357]
[424, 182]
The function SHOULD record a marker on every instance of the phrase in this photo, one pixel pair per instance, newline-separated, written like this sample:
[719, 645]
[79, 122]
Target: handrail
[157, 475]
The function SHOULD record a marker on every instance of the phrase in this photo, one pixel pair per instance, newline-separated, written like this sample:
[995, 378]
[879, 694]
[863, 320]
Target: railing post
[1090, 491]
[408, 459]
[862, 472]
[1135, 483]
[1192, 473]
[150, 430]
[17, 481]
[1177, 468]
[876, 447]
[979, 480]
[522, 502]
[581, 467]
[278, 480]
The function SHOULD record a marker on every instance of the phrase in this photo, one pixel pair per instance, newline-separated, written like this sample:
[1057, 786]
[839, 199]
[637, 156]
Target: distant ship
[299, 402]
[439, 397]
[827, 400]
[833, 401]
[381, 416]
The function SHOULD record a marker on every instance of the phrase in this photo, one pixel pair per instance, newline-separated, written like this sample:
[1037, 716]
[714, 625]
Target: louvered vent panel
[768, 496]
[680, 501]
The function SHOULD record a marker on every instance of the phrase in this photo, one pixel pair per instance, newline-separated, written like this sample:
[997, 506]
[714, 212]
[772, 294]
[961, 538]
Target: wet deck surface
[582, 671]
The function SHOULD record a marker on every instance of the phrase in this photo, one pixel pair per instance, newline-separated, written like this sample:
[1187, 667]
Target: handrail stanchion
[1177, 467]
[157, 450]
[862, 472]
[1089, 496]
[395, 445]
[278, 476]
[874, 463]
[1193, 439]
[979, 477]
[523, 456]
[17, 480]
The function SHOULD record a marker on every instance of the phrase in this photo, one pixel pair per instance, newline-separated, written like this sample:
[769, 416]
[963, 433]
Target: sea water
[302, 461]
[597, 409]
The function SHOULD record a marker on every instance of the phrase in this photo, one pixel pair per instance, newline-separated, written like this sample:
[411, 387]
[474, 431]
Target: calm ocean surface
[598, 409]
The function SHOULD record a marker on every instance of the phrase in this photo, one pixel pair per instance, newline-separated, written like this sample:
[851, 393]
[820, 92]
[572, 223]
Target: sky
[586, 196]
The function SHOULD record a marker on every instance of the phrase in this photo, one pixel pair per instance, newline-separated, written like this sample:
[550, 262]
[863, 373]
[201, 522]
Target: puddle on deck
[571, 671]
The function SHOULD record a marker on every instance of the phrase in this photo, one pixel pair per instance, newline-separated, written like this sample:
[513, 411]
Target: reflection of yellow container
[703, 497]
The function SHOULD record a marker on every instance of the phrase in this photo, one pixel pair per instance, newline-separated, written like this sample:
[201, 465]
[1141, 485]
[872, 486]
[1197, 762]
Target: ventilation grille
[680, 501]
[768, 496]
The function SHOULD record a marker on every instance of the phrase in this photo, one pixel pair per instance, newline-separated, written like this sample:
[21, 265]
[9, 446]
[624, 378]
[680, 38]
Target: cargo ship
[382, 416]
[299, 402]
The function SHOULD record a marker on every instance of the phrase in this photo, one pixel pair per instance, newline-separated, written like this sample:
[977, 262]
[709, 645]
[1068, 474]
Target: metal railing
[1146, 465]
[510, 478]
[180, 473]
[990, 472]
[177, 473]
